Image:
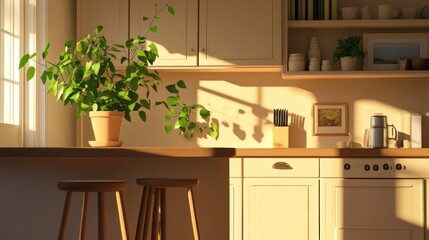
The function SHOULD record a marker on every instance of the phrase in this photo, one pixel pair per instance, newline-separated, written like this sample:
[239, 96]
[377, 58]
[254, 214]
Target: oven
[373, 199]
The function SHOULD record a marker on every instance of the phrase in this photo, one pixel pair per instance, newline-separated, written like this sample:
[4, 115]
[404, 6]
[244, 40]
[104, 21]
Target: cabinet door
[177, 35]
[235, 209]
[112, 14]
[280, 208]
[372, 209]
[240, 32]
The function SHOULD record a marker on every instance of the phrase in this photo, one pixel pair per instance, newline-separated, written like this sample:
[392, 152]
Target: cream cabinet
[214, 32]
[111, 14]
[177, 36]
[280, 198]
[235, 199]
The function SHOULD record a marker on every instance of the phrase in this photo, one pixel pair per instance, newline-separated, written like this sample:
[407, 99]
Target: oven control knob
[398, 166]
[375, 167]
[367, 167]
[386, 166]
[347, 166]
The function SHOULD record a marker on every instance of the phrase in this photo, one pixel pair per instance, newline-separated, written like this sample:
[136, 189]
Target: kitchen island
[31, 205]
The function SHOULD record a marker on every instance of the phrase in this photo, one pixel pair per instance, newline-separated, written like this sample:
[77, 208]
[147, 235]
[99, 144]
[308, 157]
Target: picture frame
[330, 119]
[383, 50]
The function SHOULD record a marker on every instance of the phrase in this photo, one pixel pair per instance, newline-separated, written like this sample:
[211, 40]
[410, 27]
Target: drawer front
[281, 167]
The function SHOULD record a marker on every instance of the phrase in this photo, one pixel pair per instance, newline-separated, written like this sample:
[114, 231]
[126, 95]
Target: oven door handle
[282, 166]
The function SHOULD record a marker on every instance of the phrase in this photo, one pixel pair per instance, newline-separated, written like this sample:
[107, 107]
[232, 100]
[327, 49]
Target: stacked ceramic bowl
[314, 64]
[314, 50]
[296, 62]
[326, 65]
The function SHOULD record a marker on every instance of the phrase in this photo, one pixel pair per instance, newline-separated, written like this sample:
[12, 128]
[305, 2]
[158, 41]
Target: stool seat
[93, 185]
[100, 187]
[167, 182]
[153, 206]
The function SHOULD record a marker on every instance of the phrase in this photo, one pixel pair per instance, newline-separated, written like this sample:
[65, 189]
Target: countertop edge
[179, 152]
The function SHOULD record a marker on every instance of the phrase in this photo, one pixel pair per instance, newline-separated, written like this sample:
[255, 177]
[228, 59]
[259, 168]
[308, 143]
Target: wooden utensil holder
[281, 137]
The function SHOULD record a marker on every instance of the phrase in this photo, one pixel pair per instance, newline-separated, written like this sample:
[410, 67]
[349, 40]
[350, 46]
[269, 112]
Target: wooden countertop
[333, 152]
[210, 152]
[117, 152]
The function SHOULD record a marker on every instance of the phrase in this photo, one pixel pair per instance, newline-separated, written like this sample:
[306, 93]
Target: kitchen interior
[317, 186]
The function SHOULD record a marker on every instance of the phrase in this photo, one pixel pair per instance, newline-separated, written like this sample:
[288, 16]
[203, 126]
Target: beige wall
[242, 104]
[61, 25]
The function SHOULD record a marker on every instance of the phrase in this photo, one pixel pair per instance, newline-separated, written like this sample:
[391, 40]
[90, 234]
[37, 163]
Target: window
[10, 46]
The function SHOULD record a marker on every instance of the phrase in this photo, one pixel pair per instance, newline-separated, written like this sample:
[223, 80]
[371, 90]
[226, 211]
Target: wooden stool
[99, 186]
[153, 202]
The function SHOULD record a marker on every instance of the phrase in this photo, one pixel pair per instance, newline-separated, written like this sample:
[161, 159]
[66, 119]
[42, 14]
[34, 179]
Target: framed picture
[330, 119]
[384, 50]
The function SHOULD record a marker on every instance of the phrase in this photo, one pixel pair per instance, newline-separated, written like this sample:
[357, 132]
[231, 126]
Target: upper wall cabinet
[177, 36]
[213, 32]
[112, 14]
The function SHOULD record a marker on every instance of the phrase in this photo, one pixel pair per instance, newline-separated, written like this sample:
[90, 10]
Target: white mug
[408, 12]
[349, 13]
[387, 11]
[365, 12]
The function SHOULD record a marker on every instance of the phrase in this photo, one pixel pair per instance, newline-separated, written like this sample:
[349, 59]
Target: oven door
[372, 209]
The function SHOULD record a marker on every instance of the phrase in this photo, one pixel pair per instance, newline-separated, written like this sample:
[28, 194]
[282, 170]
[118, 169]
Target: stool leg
[149, 208]
[101, 216]
[142, 213]
[193, 214]
[66, 212]
[156, 215]
[83, 217]
[122, 216]
[163, 214]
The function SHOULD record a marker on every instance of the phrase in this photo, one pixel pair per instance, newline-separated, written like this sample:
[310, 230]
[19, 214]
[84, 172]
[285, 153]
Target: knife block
[281, 137]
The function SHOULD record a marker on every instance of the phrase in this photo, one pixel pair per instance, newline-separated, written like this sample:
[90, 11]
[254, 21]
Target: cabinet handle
[203, 50]
[282, 165]
[192, 50]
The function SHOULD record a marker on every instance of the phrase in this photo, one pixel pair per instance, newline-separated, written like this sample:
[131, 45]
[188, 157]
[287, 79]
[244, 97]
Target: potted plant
[348, 51]
[85, 77]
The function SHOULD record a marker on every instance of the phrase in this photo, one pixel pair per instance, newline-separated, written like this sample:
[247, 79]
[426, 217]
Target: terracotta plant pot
[348, 64]
[106, 126]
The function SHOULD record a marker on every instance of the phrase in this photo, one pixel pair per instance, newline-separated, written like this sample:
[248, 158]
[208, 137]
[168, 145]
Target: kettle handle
[394, 132]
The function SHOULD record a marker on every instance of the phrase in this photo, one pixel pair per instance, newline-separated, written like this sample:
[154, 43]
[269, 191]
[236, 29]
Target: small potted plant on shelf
[85, 77]
[348, 51]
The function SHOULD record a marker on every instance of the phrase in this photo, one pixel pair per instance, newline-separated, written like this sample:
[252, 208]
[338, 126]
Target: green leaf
[173, 101]
[204, 113]
[45, 51]
[96, 67]
[213, 130]
[145, 18]
[98, 29]
[69, 43]
[142, 115]
[131, 69]
[153, 49]
[183, 122]
[192, 126]
[171, 10]
[181, 84]
[167, 118]
[30, 72]
[168, 128]
[43, 77]
[172, 88]
[24, 60]
[145, 103]
[153, 29]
